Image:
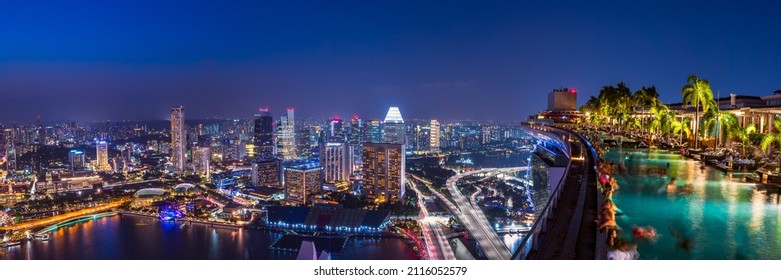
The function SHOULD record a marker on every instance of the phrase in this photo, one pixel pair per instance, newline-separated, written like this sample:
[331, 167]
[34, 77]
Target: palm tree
[697, 93]
[744, 134]
[645, 98]
[715, 122]
[615, 102]
[771, 138]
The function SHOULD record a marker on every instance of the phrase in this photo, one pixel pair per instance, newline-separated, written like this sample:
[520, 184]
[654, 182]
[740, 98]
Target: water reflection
[145, 238]
[725, 217]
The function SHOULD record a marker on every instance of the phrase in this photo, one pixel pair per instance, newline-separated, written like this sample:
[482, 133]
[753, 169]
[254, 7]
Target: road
[437, 245]
[472, 217]
[475, 220]
[63, 217]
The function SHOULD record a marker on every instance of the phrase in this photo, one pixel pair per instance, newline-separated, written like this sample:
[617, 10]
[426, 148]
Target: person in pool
[647, 233]
[671, 186]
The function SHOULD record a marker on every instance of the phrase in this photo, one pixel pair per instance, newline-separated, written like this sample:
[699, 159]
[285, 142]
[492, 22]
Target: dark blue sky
[69, 60]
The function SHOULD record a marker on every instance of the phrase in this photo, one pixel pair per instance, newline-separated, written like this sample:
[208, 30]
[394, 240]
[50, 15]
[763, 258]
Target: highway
[473, 218]
[437, 246]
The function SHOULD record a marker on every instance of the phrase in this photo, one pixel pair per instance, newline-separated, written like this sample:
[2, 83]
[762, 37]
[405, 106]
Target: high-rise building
[201, 159]
[394, 130]
[336, 133]
[264, 134]
[563, 99]
[336, 161]
[434, 136]
[383, 171]
[76, 159]
[355, 141]
[301, 181]
[421, 138]
[101, 163]
[372, 131]
[304, 142]
[287, 135]
[178, 141]
[266, 173]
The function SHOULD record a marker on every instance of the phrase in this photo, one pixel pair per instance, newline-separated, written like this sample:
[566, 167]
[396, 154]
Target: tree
[646, 97]
[771, 138]
[718, 123]
[615, 102]
[697, 93]
[744, 134]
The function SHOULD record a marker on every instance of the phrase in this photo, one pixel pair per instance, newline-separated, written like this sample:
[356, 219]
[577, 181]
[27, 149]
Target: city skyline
[105, 61]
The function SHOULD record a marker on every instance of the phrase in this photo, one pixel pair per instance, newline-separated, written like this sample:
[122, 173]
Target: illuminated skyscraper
[383, 171]
[201, 158]
[266, 173]
[178, 141]
[434, 136]
[336, 161]
[287, 135]
[355, 141]
[264, 134]
[302, 181]
[336, 133]
[372, 131]
[394, 130]
[101, 162]
[76, 160]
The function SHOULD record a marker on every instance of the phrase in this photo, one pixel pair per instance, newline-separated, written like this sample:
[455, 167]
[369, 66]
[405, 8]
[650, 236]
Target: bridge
[65, 217]
[75, 220]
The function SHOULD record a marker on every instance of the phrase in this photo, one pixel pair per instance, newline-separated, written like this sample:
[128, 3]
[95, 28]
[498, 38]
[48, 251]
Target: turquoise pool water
[723, 218]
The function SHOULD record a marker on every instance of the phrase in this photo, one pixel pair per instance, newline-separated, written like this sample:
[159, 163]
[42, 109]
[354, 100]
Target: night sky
[120, 60]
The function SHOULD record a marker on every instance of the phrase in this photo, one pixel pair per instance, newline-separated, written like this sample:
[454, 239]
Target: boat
[41, 236]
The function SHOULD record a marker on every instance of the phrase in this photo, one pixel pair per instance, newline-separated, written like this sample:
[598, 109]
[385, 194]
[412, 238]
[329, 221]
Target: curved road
[472, 217]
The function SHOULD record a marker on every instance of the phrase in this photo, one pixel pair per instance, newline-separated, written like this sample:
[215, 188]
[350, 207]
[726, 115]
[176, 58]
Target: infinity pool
[723, 218]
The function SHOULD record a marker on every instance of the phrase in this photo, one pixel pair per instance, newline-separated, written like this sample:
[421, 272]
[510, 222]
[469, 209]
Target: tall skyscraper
[434, 136]
[287, 135]
[301, 181]
[101, 162]
[355, 141]
[336, 133]
[304, 142]
[76, 160]
[383, 171]
[178, 141]
[372, 131]
[264, 134]
[201, 159]
[394, 130]
[336, 161]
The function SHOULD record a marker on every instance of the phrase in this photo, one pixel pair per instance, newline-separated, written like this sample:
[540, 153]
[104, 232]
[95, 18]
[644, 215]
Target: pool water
[723, 218]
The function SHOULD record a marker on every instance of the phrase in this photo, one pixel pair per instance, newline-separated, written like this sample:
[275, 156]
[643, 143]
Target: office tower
[486, 135]
[10, 154]
[336, 132]
[201, 158]
[383, 171]
[394, 130]
[127, 152]
[434, 136]
[304, 142]
[119, 164]
[301, 181]
[178, 141]
[76, 159]
[102, 156]
[422, 138]
[355, 140]
[373, 131]
[336, 161]
[268, 173]
[264, 134]
[287, 135]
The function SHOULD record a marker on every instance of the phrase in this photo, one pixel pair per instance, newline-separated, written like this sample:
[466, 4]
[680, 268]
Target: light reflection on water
[725, 218]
